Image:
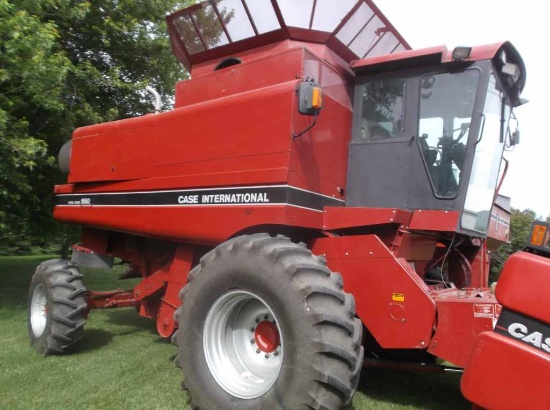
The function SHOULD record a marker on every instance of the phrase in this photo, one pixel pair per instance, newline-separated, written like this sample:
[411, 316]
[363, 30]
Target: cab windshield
[446, 108]
[487, 159]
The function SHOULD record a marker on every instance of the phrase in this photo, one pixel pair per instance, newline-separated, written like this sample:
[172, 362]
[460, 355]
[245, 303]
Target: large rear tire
[265, 324]
[57, 307]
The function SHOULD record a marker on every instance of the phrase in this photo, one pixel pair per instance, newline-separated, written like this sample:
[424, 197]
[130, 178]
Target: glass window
[296, 13]
[352, 27]
[188, 34]
[210, 27]
[446, 107]
[263, 15]
[487, 159]
[367, 37]
[322, 15]
[329, 13]
[235, 19]
[382, 109]
[387, 43]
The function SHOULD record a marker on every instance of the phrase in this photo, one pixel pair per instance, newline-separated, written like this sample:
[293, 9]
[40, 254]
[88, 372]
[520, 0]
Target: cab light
[461, 53]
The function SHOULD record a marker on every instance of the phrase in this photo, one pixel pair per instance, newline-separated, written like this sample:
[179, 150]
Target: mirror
[310, 98]
[514, 139]
[513, 130]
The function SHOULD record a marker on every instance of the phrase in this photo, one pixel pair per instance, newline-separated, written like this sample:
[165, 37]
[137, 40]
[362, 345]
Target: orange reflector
[317, 98]
[537, 237]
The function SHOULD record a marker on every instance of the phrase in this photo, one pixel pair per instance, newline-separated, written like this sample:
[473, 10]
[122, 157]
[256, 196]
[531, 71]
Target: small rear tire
[56, 307]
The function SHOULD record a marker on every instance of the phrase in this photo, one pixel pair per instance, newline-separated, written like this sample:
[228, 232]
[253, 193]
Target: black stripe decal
[266, 195]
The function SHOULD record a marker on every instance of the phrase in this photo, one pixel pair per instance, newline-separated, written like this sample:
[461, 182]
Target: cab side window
[382, 109]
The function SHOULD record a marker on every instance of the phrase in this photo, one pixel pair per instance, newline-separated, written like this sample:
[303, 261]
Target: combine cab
[319, 198]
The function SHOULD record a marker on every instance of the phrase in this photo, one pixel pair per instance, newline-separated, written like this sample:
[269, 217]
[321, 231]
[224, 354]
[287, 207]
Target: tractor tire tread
[65, 293]
[340, 353]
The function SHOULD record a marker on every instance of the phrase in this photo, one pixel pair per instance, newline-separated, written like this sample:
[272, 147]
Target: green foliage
[66, 64]
[520, 227]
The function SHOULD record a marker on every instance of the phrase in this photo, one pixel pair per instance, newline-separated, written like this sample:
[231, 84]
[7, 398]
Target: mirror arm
[502, 120]
[501, 179]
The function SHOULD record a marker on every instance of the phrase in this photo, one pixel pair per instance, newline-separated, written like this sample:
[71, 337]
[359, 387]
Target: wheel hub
[39, 310]
[243, 345]
[266, 336]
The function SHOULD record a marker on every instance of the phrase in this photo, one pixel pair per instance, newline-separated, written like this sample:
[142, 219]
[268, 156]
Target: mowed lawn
[123, 364]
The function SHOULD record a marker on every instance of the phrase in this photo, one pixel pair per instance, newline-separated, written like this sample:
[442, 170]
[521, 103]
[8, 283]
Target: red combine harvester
[310, 140]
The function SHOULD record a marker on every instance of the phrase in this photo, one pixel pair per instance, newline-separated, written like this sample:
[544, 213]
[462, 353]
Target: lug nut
[267, 356]
[258, 351]
[275, 353]
[252, 329]
[265, 317]
[257, 320]
[251, 341]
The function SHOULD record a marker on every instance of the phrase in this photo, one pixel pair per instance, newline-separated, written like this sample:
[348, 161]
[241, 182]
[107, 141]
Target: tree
[520, 227]
[31, 74]
[65, 64]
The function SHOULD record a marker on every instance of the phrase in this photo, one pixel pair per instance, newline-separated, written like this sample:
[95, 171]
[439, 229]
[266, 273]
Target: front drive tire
[265, 324]
[56, 307]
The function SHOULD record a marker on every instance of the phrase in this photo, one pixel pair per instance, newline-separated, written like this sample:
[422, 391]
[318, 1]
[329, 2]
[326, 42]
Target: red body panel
[233, 128]
[205, 225]
[392, 301]
[461, 316]
[173, 143]
[348, 217]
[445, 221]
[499, 228]
[505, 374]
[509, 367]
[524, 284]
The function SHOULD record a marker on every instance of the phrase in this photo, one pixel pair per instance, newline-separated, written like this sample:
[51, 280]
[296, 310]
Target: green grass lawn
[123, 364]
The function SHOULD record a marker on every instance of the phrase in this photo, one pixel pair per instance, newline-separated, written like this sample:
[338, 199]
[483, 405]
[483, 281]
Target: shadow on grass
[407, 388]
[94, 339]
[130, 317]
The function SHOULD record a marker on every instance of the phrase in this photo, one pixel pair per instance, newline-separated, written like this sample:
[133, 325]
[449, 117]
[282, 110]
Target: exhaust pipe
[157, 98]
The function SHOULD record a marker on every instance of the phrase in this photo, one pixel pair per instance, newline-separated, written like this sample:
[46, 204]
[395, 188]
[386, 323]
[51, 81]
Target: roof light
[461, 53]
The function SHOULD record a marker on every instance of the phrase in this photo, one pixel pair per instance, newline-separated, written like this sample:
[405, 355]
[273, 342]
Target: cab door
[379, 153]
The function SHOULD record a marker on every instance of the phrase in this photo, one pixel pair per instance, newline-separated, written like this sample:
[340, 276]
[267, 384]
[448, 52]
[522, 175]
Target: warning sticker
[484, 310]
[398, 297]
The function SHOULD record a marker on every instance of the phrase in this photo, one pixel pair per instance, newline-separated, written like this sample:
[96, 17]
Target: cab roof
[410, 59]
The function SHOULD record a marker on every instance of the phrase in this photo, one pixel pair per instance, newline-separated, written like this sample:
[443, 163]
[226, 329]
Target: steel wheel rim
[238, 364]
[39, 310]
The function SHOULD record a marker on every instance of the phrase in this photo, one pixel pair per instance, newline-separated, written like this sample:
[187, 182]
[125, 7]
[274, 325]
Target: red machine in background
[508, 365]
[310, 140]
[539, 239]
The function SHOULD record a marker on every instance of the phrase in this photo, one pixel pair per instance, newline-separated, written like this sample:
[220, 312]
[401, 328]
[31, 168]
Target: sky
[426, 23]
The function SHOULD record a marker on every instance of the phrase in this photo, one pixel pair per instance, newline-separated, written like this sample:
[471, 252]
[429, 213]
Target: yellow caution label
[398, 297]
